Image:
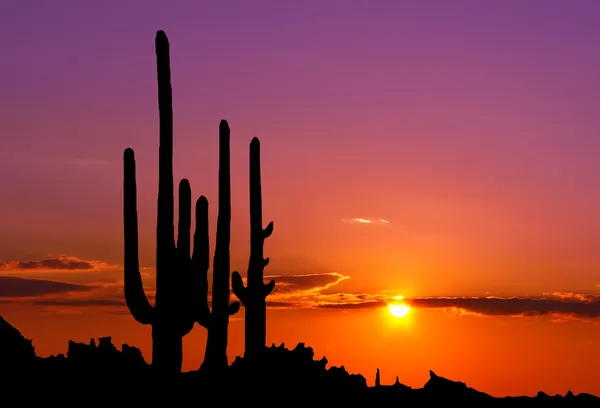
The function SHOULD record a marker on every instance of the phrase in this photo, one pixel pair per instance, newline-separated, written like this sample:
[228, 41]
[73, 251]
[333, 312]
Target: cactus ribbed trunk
[216, 345]
[167, 349]
[256, 310]
[167, 341]
[253, 296]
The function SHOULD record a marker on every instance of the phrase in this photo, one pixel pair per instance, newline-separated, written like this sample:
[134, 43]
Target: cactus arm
[185, 221]
[237, 286]
[268, 231]
[268, 288]
[234, 308]
[165, 231]
[135, 298]
[187, 313]
[200, 264]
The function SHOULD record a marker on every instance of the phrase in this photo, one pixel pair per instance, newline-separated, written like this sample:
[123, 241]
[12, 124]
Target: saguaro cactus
[217, 322]
[181, 282]
[171, 317]
[253, 296]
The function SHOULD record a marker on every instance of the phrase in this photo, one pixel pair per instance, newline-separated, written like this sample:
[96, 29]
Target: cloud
[318, 292]
[306, 283]
[103, 287]
[54, 263]
[80, 302]
[74, 283]
[376, 221]
[20, 287]
[557, 305]
[362, 304]
[578, 306]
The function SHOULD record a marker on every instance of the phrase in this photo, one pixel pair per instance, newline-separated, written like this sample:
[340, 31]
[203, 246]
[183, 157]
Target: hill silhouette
[99, 373]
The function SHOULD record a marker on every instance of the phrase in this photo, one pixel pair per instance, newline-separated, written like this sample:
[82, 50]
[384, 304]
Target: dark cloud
[58, 263]
[513, 306]
[568, 305]
[371, 304]
[79, 302]
[309, 282]
[21, 287]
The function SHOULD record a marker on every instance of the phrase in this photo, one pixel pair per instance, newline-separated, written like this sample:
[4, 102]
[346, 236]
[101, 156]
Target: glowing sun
[398, 310]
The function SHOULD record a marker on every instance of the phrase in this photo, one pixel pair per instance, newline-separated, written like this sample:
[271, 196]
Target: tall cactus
[253, 296]
[181, 282]
[217, 321]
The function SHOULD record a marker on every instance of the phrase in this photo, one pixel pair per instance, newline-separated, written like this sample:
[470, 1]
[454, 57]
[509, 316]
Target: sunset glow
[447, 151]
[399, 311]
[398, 307]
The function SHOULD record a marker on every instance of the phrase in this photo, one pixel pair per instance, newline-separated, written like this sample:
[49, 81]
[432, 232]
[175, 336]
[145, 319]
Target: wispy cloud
[14, 287]
[54, 263]
[317, 291]
[374, 221]
[577, 306]
[557, 305]
[309, 283]
[57, 282]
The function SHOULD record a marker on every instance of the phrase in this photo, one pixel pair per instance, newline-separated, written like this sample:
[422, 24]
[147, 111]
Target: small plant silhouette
[253, 296]
[181, 283]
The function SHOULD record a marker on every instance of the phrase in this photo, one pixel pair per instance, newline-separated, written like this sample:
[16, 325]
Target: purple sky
[471, 126]
[365, 109]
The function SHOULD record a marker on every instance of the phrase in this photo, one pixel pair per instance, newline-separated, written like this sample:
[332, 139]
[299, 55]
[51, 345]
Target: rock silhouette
[100, 373]
[16, 351]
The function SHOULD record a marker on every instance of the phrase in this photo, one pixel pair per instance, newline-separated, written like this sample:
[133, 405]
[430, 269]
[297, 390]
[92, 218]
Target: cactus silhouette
[181, 283]
[217, 321]
[253, 296]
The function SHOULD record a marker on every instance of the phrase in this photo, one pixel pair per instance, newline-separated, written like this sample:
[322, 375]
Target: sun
[399, 310]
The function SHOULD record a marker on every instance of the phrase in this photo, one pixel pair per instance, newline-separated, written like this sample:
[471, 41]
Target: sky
[441, 151]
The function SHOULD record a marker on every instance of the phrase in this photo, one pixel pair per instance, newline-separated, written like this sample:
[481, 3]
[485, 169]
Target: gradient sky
[471, 127]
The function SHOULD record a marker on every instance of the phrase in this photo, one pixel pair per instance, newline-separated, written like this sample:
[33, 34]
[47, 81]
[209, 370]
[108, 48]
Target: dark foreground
[100, 374]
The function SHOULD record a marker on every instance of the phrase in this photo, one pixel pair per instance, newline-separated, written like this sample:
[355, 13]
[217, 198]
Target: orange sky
[470, 127]
[481, 343]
